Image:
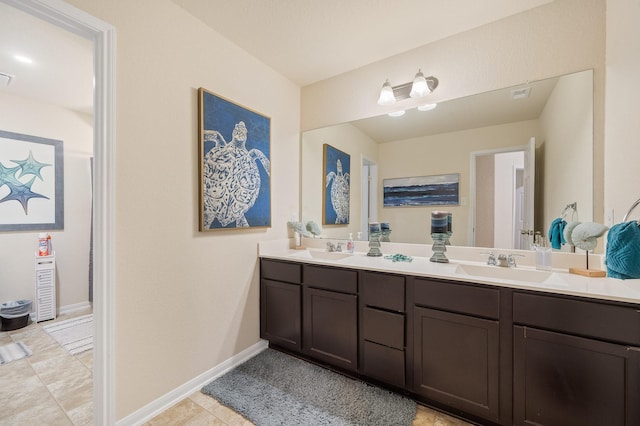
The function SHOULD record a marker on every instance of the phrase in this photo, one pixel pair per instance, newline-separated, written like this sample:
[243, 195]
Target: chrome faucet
[331, 247]
[511, 260]
[502, 260]
[491, 260]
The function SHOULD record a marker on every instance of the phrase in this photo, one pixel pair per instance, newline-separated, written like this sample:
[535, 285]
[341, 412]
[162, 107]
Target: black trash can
[15, 314]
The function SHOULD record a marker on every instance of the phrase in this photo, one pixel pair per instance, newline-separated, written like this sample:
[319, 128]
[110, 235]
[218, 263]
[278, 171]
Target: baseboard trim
[66, 309]
[156, 407]
[75, 307]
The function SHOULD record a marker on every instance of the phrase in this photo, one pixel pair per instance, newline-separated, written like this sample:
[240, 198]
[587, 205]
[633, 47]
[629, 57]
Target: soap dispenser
[543, 254]
[350, 243]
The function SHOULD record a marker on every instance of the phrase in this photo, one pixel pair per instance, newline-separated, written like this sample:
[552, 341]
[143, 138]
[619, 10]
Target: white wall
[21, 115]
[622, 148]
[185, 300]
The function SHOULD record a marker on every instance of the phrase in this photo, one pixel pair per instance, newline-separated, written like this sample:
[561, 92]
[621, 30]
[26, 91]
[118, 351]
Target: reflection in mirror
[557, 113]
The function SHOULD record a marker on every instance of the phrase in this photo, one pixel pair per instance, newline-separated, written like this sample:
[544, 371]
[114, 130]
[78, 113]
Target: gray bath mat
[273, 388]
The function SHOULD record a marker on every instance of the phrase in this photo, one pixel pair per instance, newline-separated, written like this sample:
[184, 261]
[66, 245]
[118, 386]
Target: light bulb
[420, 87]
[386, 94]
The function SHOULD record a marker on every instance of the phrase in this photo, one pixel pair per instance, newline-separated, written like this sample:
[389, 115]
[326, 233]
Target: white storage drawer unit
[45, 305]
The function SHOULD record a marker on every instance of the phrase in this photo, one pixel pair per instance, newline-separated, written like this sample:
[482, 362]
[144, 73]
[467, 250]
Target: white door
[369, 204]
[529, 179]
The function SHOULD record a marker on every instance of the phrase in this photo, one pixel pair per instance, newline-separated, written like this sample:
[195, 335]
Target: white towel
[13, 351]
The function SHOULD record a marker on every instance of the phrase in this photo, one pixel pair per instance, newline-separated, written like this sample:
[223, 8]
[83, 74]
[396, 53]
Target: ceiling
[62, 69]
[471, 112]
[304, 40]
[312, 40]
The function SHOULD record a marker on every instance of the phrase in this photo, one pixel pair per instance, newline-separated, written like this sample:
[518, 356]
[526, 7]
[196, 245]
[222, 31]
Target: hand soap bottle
[350, 243]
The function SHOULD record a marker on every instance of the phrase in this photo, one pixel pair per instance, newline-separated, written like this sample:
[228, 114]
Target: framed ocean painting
[31, 183]
[436, 190]
[235, 165]
[336, 186]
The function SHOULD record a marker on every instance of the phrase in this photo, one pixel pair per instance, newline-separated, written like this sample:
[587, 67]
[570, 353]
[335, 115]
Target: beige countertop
[557, 281]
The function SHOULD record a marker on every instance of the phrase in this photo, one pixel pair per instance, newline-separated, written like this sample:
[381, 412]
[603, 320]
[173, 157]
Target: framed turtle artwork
[235, 165]
[336, 186]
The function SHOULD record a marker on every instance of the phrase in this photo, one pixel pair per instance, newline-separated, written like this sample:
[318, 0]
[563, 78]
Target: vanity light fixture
[386, 94]
[399, 113]
[419, 87]
[427, 107]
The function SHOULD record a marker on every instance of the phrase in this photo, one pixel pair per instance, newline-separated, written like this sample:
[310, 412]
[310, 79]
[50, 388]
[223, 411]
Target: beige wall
[346, 138]
[185, 300]
[485, 190]
[21, 115]
[622, 148]
[561, 37]
[441, 154]
[567, 127]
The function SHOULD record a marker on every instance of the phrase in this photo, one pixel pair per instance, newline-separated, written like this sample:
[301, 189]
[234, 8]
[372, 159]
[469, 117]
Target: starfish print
[8, 175]
[30, 166]
[22, 193]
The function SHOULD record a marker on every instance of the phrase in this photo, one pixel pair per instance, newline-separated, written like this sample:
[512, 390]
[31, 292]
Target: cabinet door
[456, 361]
[280, 314]
[565, 380]
[330, 327]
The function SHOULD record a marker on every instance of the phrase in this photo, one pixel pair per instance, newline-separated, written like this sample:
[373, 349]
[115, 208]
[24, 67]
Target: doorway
[500, 198]
[102, 36]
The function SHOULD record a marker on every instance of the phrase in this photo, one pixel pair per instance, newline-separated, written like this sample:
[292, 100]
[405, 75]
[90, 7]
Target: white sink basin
[322, 255]
[516, 274]
[329, 255]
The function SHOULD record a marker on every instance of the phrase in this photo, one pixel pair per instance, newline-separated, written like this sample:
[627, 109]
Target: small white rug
[75, 334]
[13, 351]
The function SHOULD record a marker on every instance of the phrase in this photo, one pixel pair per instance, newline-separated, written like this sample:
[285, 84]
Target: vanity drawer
[584, 318]
[342, 280]
[382, 290]
[281, 271]
[384, 364]
[383, 327]
[460, 298]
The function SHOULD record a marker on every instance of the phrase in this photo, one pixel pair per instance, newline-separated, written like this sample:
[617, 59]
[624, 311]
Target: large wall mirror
[469, 137]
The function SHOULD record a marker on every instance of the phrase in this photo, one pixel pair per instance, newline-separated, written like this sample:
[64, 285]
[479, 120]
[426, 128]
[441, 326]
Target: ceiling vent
[5, 79]
[520, 93]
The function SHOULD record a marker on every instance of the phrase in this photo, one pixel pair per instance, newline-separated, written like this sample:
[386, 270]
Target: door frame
[103, 37]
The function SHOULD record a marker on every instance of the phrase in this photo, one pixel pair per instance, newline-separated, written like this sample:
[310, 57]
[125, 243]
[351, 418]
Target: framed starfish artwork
[31, 183]
[235, 165]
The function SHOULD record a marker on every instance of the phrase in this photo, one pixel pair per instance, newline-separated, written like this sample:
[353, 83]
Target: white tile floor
[51, 387]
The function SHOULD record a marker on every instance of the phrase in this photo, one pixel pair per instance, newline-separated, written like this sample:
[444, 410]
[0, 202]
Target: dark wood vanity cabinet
[382, 327]
[280, 303]
[330, 312]
[576, 362]
[493, 355]
[456, 346]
